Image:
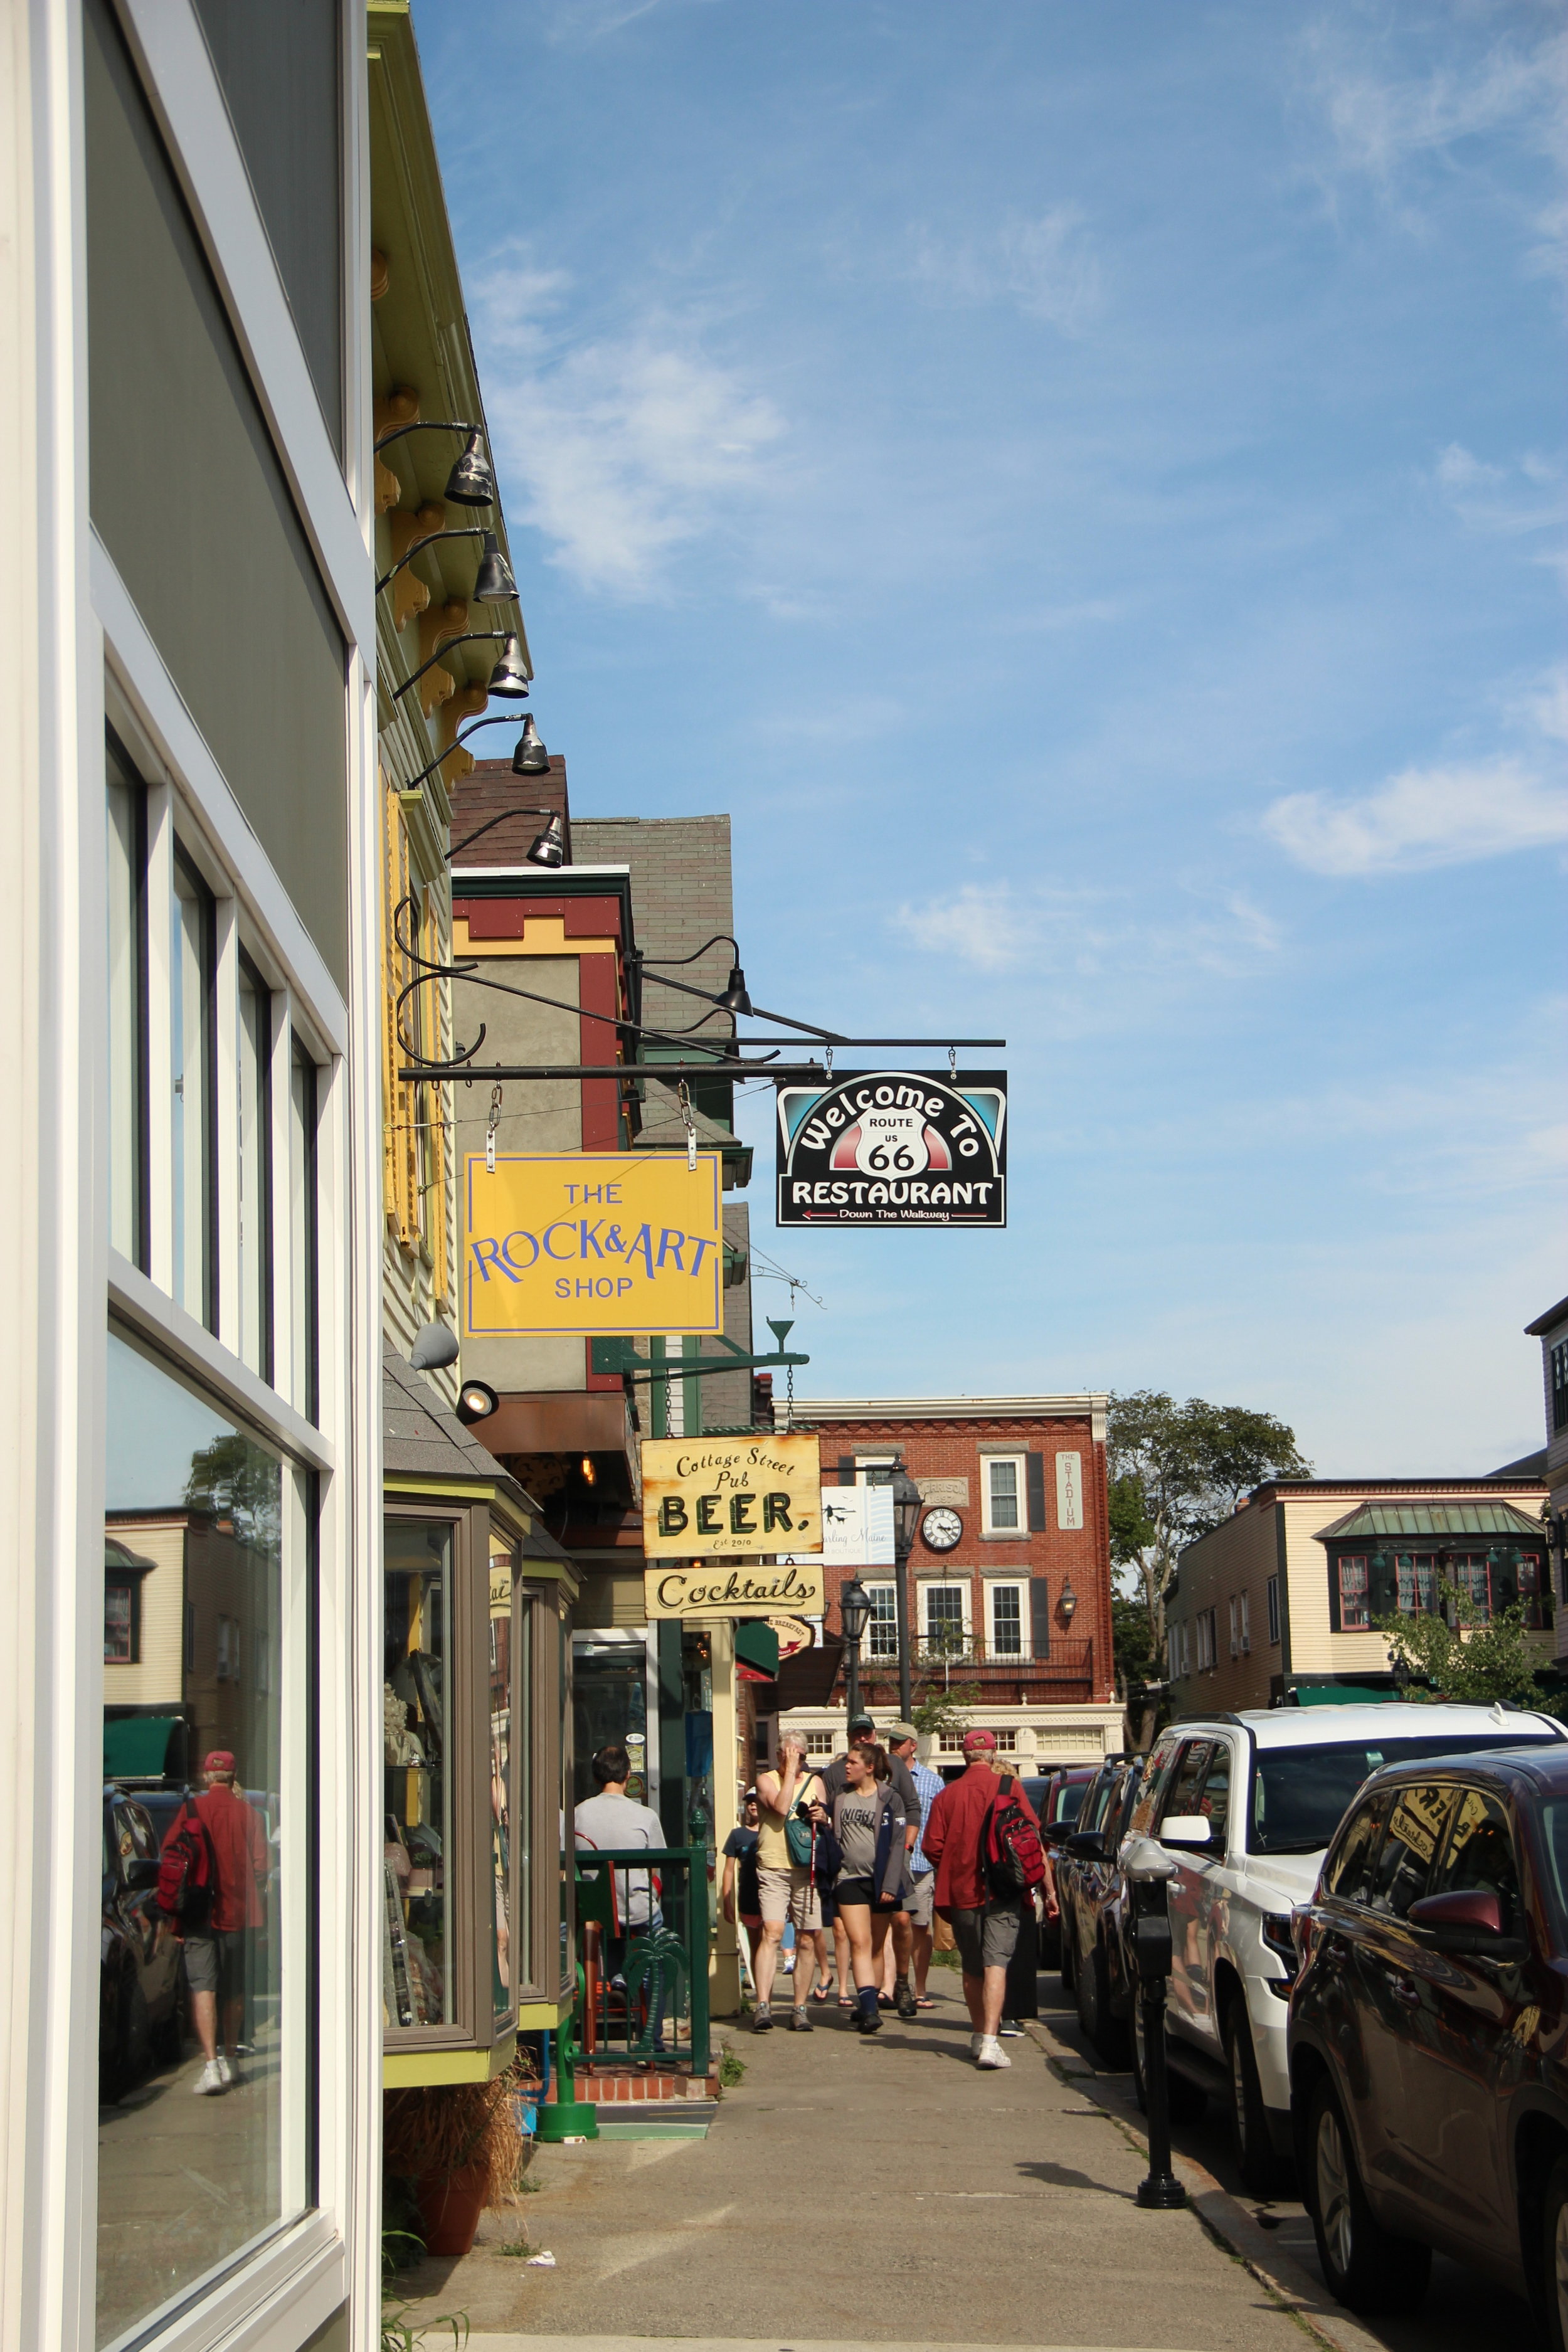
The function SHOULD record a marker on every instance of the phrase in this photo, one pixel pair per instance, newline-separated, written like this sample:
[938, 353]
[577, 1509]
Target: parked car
[1429, 2072]
[141, 2013]
[1056, 1797]
[1094, 1962]
[1248, 1805]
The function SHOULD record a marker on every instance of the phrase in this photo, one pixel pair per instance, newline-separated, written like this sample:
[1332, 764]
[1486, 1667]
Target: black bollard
[1148, 1870]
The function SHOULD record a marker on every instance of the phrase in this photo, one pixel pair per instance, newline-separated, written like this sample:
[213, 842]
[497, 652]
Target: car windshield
[1299, 1794]
[1069, 1798]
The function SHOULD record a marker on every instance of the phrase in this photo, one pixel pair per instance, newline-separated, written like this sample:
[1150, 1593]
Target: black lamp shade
[494, 584]
[906, 1512]
[508, 679]
[1068, 1604]
[548, 846]
[471, 482]
[476, 1401]
[530, 758]
[735, 999]
[855, 1609]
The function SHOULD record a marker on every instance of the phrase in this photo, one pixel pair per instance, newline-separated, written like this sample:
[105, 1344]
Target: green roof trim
[1434, 1520]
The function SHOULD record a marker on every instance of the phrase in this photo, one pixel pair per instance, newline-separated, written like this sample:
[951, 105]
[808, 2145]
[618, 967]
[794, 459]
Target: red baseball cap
[220, 1760]
[979, 1743]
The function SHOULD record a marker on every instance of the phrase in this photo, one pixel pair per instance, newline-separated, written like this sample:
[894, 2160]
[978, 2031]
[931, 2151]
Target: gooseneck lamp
[509, 681]
[471, 482]
[493, 583]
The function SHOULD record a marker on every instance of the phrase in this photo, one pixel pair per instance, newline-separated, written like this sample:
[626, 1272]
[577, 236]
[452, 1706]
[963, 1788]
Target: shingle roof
[420, 1439]
[1433, 1519]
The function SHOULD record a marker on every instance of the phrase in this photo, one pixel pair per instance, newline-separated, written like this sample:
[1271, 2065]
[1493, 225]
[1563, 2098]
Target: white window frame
[1244, 1612]
[1235, 1614]
[1272, 1593]
[880, 1589]
[960, 1584]
[1020, 1459]
[1020, 1585]
[1207, 1644]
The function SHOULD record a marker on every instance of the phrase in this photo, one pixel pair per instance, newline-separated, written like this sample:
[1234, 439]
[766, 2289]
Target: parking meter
[1149, 1870]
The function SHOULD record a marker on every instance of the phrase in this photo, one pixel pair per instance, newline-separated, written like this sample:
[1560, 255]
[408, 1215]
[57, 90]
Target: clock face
[942, 1530]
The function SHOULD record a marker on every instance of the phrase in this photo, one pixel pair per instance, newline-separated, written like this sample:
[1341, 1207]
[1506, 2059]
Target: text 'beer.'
[717, 1498]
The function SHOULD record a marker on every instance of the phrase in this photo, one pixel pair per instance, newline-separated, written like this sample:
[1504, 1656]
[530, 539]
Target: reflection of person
[218, 1956]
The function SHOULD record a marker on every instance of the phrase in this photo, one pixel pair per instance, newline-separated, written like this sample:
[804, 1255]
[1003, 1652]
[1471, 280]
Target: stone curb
[1216, 2209]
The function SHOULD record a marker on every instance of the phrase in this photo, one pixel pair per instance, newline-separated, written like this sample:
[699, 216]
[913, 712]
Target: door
[1187, 1896]
[1468, 2036]
[1393, 2002]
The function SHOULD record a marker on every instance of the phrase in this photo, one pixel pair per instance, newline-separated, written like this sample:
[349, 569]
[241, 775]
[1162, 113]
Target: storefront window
[253, 1095]
[191, 986]
[418, 1974]
[202, 2145]
[526, 1961]
[503, 1805]
[127, 943]
[302, 1317]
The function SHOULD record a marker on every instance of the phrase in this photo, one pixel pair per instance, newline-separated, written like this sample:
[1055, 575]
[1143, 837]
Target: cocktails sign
[894, 1147]
[725, 1497]
[730, 1588]
[592, 1242]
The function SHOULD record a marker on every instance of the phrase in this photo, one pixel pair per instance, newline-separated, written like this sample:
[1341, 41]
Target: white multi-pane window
[882, 1627]
[211, 1494]
[944, 1620]
[1244, 1624]
[1008, 1609]
[1273, 1596]
[1207, 1640]
[1003, 1492]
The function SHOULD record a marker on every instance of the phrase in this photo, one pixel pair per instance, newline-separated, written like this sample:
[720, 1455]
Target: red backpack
[1011, 1854]
[187, 1871]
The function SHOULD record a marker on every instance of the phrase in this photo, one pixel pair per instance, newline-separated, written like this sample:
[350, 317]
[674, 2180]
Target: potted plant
[459, 2146]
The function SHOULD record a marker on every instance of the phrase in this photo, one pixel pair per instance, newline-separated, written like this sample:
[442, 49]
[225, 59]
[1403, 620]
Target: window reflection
[254, 1099]
[192, 984]
[503, 1575]
[127, 944]
[417, 1970]
[302, 1231]
[191, 2050]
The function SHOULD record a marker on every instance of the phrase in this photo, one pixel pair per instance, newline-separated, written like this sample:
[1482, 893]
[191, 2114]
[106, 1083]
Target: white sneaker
[227, 2073]
[991, 2052]
[976, 2040]
[210, 2079]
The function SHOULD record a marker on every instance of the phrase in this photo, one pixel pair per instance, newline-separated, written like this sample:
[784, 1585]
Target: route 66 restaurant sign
[586, 1243]
[711, 1505]
[894, 1147]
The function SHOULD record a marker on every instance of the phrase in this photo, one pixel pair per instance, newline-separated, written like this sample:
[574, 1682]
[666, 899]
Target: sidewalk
[863, 2193]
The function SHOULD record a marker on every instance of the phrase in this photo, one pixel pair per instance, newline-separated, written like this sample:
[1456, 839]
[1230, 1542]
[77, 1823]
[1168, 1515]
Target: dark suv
[1428, 2066]
[1091, 1891]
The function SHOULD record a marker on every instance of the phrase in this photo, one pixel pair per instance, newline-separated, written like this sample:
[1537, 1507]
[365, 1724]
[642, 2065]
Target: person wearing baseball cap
[217, 1954]
[984, 1926]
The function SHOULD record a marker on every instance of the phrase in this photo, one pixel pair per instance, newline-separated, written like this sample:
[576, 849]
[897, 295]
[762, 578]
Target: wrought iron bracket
[620, 1356]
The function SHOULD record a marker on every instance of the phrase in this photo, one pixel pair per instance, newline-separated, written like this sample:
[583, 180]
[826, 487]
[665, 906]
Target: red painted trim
[503, 919]
[598, 990]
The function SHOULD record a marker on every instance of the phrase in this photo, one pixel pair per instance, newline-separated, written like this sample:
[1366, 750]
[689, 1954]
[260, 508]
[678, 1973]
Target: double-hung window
[1003, 1495]
[1008, 1606]
[882, 1627]
[1355, 1600]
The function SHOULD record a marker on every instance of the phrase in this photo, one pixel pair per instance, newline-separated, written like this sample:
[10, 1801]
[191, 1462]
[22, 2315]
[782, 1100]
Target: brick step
[619, 2086]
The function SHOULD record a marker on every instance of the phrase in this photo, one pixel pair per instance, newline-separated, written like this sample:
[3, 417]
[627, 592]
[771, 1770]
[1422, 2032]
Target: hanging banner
[718, 1497]
[587, 1242]
[730, 1588]
[894, 1147]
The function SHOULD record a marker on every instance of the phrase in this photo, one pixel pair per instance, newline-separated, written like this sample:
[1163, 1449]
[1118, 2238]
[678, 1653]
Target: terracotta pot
[450, 2204]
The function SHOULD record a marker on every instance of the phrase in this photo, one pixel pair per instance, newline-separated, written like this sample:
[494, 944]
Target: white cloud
[1045, 267]
[1445, 815]
[628, 445]
[993, 927]
[1523, 496]
[1380, 121]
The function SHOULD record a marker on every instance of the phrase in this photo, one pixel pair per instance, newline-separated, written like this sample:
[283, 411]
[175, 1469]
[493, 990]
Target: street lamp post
[853, 1610]
[905, 1521]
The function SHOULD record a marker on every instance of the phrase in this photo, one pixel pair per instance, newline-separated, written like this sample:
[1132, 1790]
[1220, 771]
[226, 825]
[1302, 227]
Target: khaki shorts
[789, 1895]
[987, 1939]
[920, 1898]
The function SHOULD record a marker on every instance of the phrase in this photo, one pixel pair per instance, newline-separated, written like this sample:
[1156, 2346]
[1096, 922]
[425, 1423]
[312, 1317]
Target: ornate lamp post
[855, 1611]
[905, 1521]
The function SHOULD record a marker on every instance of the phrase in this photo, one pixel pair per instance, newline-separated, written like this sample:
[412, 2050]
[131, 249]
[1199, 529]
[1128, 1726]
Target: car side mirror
[1469, 1920]
[140, 1873]
[1186, 1829]
[1088, 1845]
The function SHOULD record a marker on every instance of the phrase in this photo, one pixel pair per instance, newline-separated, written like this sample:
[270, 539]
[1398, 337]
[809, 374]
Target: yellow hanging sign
[731, 1589]
[723, 1497]
[592, 1242]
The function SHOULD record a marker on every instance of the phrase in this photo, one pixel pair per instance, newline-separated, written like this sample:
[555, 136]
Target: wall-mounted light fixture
[471, 482]
[1067, 1605]
[508, 679]
[494, 584]
[549, 847]
[529, 759]
[476, 1401]
[734, 998]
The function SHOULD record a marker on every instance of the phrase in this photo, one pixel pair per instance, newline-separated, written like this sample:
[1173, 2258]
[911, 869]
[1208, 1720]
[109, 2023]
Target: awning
[757, 1647]
[136, 1746]
[1434, 1520]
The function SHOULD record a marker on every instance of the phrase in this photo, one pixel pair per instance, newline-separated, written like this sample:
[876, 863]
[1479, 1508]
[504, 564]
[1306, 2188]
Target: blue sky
[1085, 488]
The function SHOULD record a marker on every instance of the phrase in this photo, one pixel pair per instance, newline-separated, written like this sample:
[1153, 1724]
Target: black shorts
[856, 1890]
[216, 1960]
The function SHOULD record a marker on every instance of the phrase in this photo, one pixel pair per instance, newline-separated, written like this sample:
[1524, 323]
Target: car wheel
[1185, 2101]
[1260, 2169]
[1553, 2278]
[1366, 2266]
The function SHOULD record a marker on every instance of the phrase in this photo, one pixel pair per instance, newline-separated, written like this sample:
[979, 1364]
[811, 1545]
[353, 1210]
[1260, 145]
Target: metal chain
[683, 1096]
[491, 1125]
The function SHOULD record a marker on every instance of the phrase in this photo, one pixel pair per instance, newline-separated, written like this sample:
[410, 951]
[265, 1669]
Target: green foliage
[398, 2336]
[938, 1710]
[1492, 1663]
[233, 1480]
[1176, 1471]
[515, 2249]
[731, 2071]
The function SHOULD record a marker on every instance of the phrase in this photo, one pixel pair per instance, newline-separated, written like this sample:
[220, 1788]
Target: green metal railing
[664, 1970]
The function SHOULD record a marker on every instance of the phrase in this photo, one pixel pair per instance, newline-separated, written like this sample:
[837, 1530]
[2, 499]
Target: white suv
[1272, 1788]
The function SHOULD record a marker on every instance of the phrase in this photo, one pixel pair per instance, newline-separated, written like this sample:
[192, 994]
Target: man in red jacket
[218, 1956]
[984, 1926]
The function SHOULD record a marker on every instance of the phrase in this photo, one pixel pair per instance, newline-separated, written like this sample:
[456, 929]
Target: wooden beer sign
[729, 1498]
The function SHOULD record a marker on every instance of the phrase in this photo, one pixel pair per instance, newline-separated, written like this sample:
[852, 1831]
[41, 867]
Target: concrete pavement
[855, 2193]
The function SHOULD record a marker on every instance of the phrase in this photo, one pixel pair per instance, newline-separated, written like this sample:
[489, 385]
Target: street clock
[942, 1530]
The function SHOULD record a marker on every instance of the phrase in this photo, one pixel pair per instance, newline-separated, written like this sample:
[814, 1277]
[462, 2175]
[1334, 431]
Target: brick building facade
[1008, 1585]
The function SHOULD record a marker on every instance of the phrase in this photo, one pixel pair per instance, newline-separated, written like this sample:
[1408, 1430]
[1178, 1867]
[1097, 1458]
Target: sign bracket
[620, 1356]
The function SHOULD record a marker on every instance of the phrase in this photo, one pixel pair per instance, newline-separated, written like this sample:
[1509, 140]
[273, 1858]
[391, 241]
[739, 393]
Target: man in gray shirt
[901, 1738]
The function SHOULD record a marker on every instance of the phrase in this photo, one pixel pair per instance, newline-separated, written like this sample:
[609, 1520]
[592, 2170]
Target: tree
[1176, 1471]
[233, 1480]
[1482, 1667]
[944, 1713]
